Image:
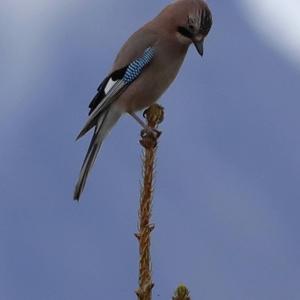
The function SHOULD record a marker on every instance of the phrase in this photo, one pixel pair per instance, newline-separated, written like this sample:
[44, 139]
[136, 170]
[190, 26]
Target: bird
[143, 69]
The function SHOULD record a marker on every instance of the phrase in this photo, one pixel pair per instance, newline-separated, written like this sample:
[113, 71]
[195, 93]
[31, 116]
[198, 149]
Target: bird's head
[193, 22]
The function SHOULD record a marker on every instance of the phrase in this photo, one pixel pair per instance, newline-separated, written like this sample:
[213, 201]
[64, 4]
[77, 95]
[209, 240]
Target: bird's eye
[191, 28]
[185, 32]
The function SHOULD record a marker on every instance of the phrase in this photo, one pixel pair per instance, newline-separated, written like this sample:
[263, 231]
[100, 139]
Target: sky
[226, 204]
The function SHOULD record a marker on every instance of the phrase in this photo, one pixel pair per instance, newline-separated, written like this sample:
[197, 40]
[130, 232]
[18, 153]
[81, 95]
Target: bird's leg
[147, 129]
[139, 120]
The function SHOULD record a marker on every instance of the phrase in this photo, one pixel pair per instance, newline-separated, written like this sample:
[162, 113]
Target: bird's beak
[199, 46]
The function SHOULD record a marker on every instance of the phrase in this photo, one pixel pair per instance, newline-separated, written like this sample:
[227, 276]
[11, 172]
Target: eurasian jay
[144, 68]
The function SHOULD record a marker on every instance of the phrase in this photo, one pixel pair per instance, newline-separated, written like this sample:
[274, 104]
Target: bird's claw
[150, 131]
[157, 132]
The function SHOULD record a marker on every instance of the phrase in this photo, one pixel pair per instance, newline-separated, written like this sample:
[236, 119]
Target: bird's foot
[150, 131]
[147, 130]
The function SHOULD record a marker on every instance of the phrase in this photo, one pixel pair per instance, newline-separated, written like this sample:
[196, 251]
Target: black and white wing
[113, 85]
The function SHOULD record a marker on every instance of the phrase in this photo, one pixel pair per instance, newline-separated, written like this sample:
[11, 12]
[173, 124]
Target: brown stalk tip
[154, 115]
[181, 293]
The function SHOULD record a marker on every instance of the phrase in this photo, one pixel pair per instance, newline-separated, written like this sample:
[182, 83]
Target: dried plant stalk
[154, 116]
[182, 293]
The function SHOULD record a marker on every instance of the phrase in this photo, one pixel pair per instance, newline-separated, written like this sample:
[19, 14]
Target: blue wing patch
[136, 67]
[127, 74]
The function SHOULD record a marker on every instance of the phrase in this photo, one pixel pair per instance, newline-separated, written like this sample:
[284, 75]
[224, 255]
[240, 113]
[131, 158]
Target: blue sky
[226, 204]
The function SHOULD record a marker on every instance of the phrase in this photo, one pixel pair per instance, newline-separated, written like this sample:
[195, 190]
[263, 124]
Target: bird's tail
[104, 124]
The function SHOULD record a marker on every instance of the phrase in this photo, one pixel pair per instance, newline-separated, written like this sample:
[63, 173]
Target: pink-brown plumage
[170, 34]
